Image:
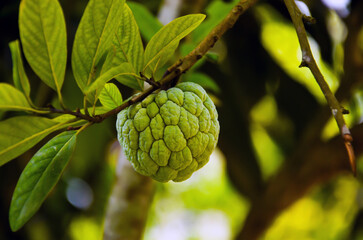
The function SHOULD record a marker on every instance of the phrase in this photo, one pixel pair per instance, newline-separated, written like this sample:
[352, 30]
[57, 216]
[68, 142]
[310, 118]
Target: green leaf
[12, 99]
[216, 12]
[155, 68]
[169, 36]
[110, 96]
[202, 79]
[148, 24]
[124, 74]
[20, 78]
[19, 134]
[93, 38]
[127, 46]
[39, 177]
[43, 36]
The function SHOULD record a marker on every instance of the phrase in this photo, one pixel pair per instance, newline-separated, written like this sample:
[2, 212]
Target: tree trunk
[128, 203]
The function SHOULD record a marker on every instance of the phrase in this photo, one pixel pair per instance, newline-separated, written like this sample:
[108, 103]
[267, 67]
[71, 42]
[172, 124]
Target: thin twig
[309, 61]
[77, 114]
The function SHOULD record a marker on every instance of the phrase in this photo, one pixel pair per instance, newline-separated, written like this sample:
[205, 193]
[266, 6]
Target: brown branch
[309, 61]
[208, 42]
[77, 114]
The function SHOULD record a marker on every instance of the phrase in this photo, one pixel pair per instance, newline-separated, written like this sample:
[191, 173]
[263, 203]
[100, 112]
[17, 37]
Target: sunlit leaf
[43, 36]
[83, 227]
[19, 134]
[124, 74]
[110, 96]
[148, 24]
[270, 156]
[169, 36]
[93, 38]
[265, 111]
[319, 214]
[12, 99]
[127, 46]
[279, 38]
[39, 177]
[20, 78]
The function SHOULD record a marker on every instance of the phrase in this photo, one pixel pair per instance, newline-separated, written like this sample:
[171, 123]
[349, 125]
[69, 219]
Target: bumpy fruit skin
[170, 134]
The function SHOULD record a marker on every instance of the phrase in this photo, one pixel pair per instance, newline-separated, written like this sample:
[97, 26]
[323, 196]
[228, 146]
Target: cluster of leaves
[107, 46]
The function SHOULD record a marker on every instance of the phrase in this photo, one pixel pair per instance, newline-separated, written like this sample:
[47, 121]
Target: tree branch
[309, 61]
[128, 204]
[208, 42]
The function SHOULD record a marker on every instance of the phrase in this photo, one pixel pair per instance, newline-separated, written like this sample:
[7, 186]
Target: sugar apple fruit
[170, 134]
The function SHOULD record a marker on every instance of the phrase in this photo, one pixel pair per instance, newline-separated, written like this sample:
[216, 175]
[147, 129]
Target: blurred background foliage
[266, 105]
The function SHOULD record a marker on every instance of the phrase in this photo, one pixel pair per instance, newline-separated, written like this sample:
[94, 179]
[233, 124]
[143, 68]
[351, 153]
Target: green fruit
[170, 134]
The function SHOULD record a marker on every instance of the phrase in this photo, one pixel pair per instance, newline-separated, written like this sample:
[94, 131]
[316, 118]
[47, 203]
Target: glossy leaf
[20, 78]
[169, 36]
[127, 46]
[12, 99]
[43, 36]
[110, 96]
[93, 38]
[39, 177]
[124, 74]
[19, 134]
[149, 25]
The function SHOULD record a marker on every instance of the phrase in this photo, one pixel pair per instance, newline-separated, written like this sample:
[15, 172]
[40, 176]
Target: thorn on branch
[348, 139]
[308, 19]
[215, 39]
[345, 111]
[238, 9]
[303, 64]
[351, 155]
